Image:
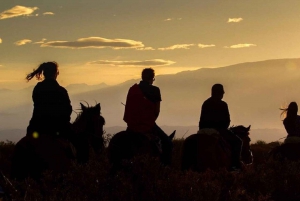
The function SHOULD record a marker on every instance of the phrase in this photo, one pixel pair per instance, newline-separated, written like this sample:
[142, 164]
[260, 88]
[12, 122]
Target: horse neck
[80, 124]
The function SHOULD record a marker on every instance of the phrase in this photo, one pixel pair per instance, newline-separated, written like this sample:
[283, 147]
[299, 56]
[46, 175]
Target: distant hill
[254, 92]
[82, 87]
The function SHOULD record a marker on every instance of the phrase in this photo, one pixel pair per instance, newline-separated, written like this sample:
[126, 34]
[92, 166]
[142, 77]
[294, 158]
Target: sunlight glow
[35, 135]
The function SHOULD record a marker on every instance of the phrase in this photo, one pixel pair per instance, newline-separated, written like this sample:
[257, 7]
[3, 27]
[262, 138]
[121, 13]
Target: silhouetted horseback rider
[292, 123]
[215, 114]
[143, 107]
[52, 105]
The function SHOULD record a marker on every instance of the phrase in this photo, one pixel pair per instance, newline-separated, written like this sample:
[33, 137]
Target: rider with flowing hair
[291, 121]
[52, 106]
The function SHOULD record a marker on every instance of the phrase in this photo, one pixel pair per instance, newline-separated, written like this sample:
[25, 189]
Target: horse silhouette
[126, 145]
[208, 150]
[285, 151]
[34, 154]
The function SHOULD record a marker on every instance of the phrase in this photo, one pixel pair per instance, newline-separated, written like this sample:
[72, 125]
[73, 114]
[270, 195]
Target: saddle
[149, 136]
[221, 141]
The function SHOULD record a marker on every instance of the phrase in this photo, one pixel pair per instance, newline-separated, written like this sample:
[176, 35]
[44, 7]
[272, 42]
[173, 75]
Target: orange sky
[112, 41]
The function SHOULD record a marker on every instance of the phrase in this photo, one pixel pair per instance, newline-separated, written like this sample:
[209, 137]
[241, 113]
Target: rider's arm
[203, 115]
[157, 109]
[227, 117]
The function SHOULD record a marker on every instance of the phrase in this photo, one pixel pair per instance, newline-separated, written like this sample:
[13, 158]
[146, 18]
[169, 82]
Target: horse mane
[80, 122]
[240, 129]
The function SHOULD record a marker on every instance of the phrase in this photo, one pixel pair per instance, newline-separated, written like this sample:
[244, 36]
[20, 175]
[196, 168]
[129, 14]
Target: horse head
[89, 130]
[167, 149]
[89, 120]
[243, 133]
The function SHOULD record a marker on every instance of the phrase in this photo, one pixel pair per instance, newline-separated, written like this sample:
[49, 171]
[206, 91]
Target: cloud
[0, 40]
[153, 62]
[234, 20]
[205, 46]
[241, 46]
[17, 11]
[48, 13]
[95, 42]
[178, 46]
[41, 42]
[22, 42]
[169, 19]
[145, 48]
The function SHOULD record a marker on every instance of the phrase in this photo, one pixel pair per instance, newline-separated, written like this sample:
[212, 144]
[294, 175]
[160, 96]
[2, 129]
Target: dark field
[145, 179]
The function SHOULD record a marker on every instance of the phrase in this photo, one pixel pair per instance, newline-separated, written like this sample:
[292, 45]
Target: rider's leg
[166, 144]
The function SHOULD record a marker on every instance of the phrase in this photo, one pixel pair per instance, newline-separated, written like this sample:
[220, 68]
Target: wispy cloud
[95, 42]
[145, 63]
[22, 42]
[169, 19]
[145, 48]
[178, 46]
[48, 13]
[0, 40]
[17, 11]
[234, 20]
[205, 46]
[41, 41]
[241, 46]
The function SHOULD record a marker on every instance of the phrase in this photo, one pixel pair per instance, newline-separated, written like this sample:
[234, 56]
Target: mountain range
[254, 91]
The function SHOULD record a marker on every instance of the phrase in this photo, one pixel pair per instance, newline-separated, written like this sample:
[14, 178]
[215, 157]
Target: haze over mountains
[254, 92]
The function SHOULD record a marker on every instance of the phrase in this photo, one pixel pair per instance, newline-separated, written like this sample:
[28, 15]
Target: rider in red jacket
[143, 106]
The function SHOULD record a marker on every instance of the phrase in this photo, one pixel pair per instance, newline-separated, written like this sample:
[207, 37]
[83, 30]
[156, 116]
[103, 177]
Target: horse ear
[172, 135]
[98, 107]
[248, 127]
[82, 107]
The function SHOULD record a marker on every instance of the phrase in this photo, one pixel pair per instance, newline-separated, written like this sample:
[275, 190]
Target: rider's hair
[47, 69]
[148, 74]
[290, 111]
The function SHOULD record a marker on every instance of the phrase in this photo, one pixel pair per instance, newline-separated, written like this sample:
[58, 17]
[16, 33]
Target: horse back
[32, 156]
[202, 151]
[126, 145]
[290, 151]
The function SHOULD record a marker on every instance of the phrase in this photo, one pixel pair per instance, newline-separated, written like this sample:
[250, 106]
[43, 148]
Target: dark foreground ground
[145, 179]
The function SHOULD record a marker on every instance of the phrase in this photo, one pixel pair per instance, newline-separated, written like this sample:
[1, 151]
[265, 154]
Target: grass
[145, 179]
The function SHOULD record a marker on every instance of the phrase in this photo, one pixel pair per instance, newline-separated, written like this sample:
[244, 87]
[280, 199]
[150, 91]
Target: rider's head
[292, 109]
[217, 91]
[48, 69]
[148, 75]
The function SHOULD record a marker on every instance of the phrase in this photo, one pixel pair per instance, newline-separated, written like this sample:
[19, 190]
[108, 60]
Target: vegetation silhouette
[34, 154]
[208, 150]
[145, 178]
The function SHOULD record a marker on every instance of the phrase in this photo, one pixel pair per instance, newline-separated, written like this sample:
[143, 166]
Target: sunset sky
[111, 41]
